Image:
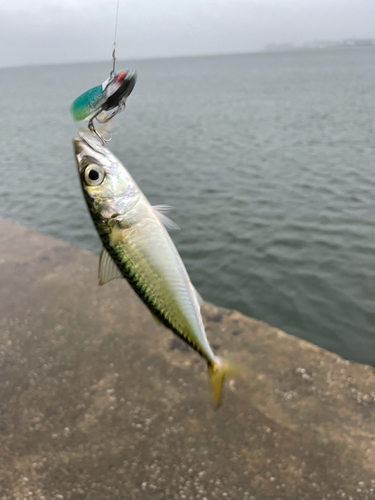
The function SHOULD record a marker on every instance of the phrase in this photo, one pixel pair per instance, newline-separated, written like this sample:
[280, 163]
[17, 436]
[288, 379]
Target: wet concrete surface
[99, 402]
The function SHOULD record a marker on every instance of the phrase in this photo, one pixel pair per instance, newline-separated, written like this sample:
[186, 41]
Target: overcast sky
[57, 31]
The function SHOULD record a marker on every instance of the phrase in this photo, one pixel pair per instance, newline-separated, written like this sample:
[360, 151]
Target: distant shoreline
[263, 51]
[276, 50]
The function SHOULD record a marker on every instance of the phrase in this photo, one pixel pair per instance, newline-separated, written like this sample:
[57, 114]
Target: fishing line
[114, 43]
[103, 102]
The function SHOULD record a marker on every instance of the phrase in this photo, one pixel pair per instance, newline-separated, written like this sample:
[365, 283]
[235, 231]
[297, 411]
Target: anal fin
[108, 270]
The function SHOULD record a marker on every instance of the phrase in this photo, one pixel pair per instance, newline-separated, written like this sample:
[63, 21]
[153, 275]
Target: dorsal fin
[108, 270]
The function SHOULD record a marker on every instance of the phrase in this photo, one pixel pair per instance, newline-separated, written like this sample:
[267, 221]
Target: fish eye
[94, 175]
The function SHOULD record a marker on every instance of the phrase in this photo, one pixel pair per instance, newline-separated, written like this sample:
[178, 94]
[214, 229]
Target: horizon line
[262, 51]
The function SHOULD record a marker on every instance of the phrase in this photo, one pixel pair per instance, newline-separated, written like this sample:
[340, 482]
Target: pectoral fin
[199, 298]
[160, 211]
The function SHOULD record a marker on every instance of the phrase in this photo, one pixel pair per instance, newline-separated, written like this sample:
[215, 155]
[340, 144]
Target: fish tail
[218, 369]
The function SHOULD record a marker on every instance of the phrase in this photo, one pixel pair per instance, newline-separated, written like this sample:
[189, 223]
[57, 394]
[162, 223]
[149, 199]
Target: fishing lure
[110, 95]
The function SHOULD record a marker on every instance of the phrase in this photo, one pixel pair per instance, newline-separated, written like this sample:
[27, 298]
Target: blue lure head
[111, 94]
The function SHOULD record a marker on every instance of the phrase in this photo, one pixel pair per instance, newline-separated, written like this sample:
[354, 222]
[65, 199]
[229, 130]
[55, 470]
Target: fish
[112, 93]
[138, 247]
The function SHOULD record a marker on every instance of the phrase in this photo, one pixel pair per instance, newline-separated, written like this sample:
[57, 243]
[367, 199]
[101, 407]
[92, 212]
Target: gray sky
[57, 31]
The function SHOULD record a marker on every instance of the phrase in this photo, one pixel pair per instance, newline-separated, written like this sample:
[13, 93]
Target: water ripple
[268, 162]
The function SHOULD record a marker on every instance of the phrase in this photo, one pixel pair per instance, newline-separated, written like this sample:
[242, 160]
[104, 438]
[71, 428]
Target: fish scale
[160, 305]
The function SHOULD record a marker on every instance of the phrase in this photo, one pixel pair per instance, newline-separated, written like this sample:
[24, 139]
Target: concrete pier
[98, 402]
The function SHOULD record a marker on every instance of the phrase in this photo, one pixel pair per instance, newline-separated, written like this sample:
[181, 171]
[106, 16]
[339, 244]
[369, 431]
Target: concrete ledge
[98, 402]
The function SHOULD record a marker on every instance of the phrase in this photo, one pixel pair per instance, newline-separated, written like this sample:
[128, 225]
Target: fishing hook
[121, 106]
[92, 128]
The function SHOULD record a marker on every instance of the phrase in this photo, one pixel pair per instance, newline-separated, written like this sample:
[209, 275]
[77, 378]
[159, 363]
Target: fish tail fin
[218, 369]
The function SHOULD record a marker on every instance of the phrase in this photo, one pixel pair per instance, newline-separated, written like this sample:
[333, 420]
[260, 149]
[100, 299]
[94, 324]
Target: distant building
[359, 42]
[321, 44]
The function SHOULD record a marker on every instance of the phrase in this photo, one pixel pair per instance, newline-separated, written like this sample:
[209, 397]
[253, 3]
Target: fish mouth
[77, 144]
[83, 146]
[81, 150]
[88, 148]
